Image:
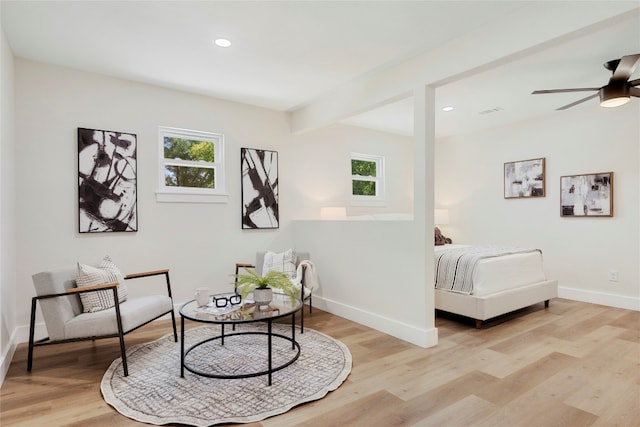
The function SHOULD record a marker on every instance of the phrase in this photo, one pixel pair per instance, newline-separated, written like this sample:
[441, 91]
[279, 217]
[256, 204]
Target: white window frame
[379, 179]
[189, 194]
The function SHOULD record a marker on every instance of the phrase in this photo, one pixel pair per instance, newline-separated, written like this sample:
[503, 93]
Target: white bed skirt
[488, 306]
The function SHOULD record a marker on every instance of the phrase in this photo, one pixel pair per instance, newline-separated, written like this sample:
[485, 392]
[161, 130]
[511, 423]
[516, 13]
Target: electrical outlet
[613, 275]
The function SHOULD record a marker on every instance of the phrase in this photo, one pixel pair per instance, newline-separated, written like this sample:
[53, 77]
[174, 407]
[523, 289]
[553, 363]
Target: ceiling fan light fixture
[614, 102]
[614, 95]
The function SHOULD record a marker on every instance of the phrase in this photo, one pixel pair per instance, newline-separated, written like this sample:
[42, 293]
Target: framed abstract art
[259, 188]
[588, 195]
[525, 178]
[107, 181]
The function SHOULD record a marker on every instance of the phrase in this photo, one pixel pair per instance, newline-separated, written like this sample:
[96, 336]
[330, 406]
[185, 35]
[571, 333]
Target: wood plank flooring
[573, 364]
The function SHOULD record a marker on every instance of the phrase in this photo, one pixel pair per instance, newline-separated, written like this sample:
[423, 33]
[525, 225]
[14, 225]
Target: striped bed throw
[454, 268]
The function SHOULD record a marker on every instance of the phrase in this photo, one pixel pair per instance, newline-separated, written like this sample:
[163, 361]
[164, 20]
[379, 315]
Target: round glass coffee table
[234, 313]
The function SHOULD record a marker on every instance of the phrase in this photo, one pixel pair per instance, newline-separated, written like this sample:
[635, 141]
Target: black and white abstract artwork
[525, 178]
[259, 188]
[587, 195]
[107, 177]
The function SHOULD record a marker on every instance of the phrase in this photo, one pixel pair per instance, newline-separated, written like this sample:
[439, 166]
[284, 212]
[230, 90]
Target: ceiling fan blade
[578, 102]
[635, 82]
[634, 91]
[625, 68]
[580, 89]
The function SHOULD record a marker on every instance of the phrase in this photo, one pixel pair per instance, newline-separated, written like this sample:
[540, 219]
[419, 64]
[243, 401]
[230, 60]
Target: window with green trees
[192, 160]
[367, 176]
[362, 171]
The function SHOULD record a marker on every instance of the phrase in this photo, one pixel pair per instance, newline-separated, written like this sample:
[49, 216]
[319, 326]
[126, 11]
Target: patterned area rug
[155, 393]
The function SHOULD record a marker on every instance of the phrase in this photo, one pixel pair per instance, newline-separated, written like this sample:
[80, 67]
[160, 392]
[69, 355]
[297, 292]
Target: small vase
[262, 297]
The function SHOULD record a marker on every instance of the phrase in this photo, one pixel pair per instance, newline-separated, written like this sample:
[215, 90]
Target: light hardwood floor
[573, 364]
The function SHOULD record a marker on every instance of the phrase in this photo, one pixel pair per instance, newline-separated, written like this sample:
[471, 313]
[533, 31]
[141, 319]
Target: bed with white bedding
[482, 282]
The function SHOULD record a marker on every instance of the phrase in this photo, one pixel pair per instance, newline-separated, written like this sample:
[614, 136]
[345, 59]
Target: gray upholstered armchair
[299, 267]
[65, 320]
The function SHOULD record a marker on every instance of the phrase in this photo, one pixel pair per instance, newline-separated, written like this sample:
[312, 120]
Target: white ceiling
[287, 54]
[502, 95]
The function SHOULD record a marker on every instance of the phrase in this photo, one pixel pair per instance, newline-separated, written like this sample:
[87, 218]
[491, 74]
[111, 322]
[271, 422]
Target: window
[367, 178]
[191, 166]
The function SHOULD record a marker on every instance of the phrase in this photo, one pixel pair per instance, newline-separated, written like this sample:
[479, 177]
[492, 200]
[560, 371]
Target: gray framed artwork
[259, 188]
[587, 195]
[107, 177]
[524, 178]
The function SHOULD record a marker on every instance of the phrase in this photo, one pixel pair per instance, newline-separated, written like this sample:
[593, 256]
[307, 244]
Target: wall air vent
[491, 110]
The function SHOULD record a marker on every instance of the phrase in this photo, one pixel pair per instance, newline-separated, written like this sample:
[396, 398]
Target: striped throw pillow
[106, 272]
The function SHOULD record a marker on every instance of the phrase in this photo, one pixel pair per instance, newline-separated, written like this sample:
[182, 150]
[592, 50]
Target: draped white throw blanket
[454, 268]
[310, 276]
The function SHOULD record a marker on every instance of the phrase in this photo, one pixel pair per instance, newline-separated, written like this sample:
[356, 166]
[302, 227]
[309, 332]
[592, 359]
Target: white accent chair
[305, 294]
[65, 321]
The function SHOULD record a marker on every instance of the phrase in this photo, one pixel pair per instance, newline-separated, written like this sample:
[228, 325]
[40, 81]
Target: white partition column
[423, 204]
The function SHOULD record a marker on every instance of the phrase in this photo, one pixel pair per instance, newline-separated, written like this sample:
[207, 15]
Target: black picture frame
[525, 179]
[587, 195]
[260, 188]
[107, 181]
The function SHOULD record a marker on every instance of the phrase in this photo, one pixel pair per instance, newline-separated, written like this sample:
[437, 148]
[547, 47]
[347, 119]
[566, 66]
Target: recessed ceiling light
[222, 42]
[447, 108]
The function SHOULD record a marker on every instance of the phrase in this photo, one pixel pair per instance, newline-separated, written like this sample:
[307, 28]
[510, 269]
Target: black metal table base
[270, 370]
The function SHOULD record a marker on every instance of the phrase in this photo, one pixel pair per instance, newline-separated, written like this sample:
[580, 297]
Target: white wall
[7, 207]
[321, 166]
[577, 251]
[372, 272]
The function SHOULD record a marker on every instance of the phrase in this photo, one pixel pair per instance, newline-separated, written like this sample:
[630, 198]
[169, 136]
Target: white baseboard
[422, 337]
[20, 335]
[7, 357]
[602, 298]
